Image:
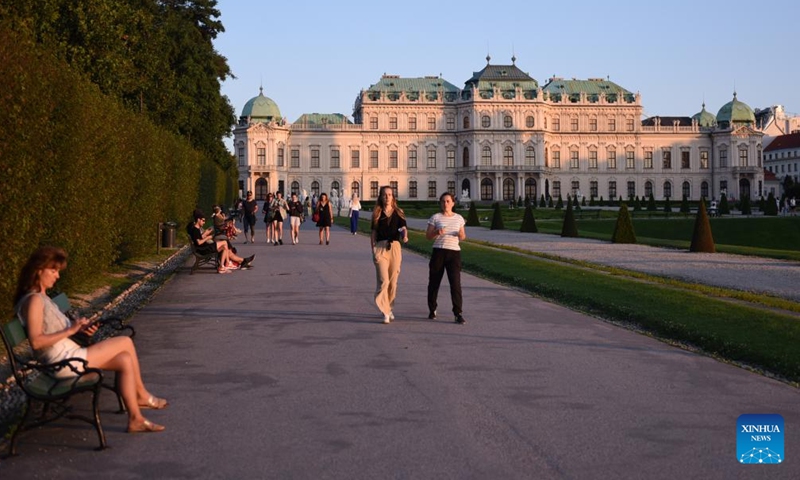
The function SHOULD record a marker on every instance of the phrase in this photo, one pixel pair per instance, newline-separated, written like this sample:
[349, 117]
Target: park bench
[38, 381]
[202, 259]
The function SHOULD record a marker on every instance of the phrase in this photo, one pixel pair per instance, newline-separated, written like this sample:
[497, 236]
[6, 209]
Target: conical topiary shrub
[575, 201]
[762, 204]
[560, 203]
[651, 203]
[583, 201]
[667, 206]
[527, 200]
[724, 208]
[623, 229]
[746, 208]
[472, 216]
[497, 218]
[637, 205]
[528, 222]
[550, 201]
[592, 203]
[685, 204]
[542, 203]
[601, 202]
[569, 228]
[771, 208]
[519, 202]
[702, 239]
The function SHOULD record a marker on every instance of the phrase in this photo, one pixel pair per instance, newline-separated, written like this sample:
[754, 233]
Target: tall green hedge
[80, 171]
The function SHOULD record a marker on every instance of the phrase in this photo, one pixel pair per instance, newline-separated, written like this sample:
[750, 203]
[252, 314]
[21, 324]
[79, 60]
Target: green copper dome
[705, 118]
[735, 112]
[261, 108]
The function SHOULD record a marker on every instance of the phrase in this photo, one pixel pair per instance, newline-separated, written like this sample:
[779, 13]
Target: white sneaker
[391, 316]
[387, 319]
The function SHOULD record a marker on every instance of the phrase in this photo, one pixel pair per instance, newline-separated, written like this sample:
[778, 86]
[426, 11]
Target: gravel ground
[780, 278]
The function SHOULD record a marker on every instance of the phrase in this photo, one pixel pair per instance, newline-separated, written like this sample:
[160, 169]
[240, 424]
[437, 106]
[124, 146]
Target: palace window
[412, 158]
[666, 159]
[465, 157]
[556, 188]
[723, 187]
[373, 123]
[335, 158]
[392, 158]
[451, 122]
[612, 190]
[530, 156]
[261, 153]
[593, 189]
[432, 189]
[315, 188]
[295, 162]
[393, 186]
[723, 158]
[687, 190]
[355, 188]
[412, 189]
[508, 156]
[612, 124]
[556, 124]
[412, 123]
[704, 189]
[487, 189]
[743, 160]
[315, 158]
[648, 189]
[593, 159]
[432, 158]
[629, 124]
[529, 121]
[507, 121]
[392, 123]
[592, 124]
[573, 124]
[373, 189]
[280, 157]
[508, 189]
[667, 190]
[295, 188]
[530, 189]
[451, 159]
[556, 159]
[648, 159]
[576, 187]
[431, 123]
[335, 186]
[631, 189]
[451, 187]
[486, 156]
[241, 156]
[630, 161]
[574, 163]
[612, 159]
[466, 122]
[355, 159]
[685, 160]
[373, 159]
[485, 121]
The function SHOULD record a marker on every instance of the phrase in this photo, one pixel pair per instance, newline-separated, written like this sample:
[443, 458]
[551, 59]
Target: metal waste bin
[168, 234]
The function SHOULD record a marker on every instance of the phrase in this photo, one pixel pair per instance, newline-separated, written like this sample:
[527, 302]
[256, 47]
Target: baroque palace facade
[500, 137]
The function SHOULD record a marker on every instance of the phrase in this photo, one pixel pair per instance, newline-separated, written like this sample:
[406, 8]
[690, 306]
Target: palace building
[502, 136]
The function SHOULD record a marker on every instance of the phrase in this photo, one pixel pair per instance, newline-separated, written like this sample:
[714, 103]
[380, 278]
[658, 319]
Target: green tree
[550, 201]
[569, 228]
[528, 221]
[472, 216]
[519, 202]
[651, 203]
[583, 201]
[724, 208]
[762, 204]
[702, 238]
[601, 202]
[497, 217]
[560, 203]
[575, 202]
[745, 206]
[685, 205]
[771, 207]
[542, 203]
[667, 206]
[623, 229]
[637, 204]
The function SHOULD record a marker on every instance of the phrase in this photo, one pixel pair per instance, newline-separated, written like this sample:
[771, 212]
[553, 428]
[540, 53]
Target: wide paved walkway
[284, 371]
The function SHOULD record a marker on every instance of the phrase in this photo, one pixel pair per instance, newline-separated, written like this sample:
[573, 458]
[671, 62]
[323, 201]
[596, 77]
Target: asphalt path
[285, 371]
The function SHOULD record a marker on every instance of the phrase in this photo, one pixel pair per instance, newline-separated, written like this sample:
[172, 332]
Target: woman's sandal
[147, 427]
[155, 403]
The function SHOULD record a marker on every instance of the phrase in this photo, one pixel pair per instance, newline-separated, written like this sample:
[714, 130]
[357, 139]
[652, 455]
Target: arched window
[529, 121]
[335, 186]
[530, 189]
[355, 188]
[486, 155]
[487, 189]
[465, 157]
[485, 121]
[704, 190]
[508, 156]
[648, 189]
[315, 188]
[262, 188]
[508, 189]
[744, 187]
[466, 122]
[508, 122]
[687, 190]
[295, 188]
[667, 190]
[465, 187]
[530, 156]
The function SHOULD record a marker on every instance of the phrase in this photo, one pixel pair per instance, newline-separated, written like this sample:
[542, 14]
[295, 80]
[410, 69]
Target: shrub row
[78, 170]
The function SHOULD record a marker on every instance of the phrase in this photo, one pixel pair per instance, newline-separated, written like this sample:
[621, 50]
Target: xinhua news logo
[759, 439]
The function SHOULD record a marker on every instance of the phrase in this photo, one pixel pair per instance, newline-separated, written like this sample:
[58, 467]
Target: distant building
[774, 121]
[782, 158]
[501, 136]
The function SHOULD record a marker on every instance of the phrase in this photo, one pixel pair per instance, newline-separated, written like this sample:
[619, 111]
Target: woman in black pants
[446, 229]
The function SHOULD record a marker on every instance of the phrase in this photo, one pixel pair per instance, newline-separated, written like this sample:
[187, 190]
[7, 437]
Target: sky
[316, 56]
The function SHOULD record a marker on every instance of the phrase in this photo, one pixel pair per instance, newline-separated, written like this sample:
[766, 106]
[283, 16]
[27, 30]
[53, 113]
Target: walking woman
[49, 332]
[268, 214]
[278, 216]
[295, 218]
[325, 221]
[355, 208]
[388, 228]
[446, 229]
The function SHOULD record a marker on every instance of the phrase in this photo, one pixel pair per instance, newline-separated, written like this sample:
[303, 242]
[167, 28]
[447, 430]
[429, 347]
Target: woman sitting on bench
[205, 244]
[49, 333]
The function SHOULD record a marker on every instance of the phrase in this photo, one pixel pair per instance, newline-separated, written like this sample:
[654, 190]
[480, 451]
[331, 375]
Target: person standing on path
[250, 207]
[295, 218]
[268, 213]
[325, 218]
[388, 228]
[446, 229]
[279, 214]
[355, 209]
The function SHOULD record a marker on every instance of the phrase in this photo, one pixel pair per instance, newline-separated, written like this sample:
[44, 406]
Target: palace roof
[783, 142]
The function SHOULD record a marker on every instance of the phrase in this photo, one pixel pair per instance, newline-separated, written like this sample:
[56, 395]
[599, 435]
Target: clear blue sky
[316, 56]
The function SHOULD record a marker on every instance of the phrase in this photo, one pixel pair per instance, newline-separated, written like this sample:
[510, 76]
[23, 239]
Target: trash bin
[168, 234]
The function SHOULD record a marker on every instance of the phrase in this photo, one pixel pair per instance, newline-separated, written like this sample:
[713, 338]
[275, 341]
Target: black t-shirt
[387, 228]
[295, 209]
[195, 234]
[250, 207]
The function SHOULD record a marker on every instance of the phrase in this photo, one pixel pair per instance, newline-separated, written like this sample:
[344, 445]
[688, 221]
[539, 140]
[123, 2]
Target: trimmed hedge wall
[79, 171]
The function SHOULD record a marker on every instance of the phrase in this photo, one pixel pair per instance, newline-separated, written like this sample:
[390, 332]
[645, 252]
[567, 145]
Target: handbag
[315, 217]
